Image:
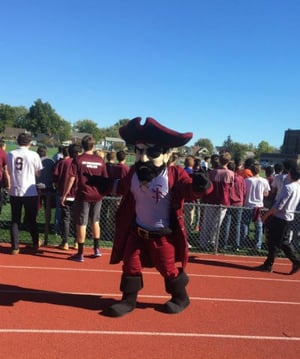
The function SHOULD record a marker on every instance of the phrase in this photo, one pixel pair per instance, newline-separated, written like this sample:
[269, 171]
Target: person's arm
[268, 214]
[67, 189]
[6, 177]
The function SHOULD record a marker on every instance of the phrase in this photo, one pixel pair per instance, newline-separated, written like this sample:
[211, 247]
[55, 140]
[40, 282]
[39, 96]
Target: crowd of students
[240, 195]
[32, 178]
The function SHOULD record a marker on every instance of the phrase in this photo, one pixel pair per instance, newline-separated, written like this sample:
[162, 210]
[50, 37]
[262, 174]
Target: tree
[236, 149]
[264, 147]
[228, 144]
[113, 131]
[205, 142]
[64, 130]
[21, 113]
[42, 118]
[9, 115]
[88, 126]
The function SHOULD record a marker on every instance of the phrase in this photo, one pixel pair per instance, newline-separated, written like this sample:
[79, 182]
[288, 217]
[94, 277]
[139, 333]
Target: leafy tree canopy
[205, 142]
[237, 150]
[42, 118]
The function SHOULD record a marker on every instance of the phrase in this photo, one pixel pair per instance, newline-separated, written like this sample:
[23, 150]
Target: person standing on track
[279, 223]
[88, 200]
[23, 166]
[60, 178]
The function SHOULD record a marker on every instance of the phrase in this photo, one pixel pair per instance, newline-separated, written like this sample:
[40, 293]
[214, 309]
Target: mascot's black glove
[201, 182]
[101, 183]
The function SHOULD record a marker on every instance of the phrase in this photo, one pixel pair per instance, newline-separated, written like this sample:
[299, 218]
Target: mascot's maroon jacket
[181, 189]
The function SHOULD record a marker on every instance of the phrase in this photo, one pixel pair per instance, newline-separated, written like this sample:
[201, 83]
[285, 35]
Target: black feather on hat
[152, 132]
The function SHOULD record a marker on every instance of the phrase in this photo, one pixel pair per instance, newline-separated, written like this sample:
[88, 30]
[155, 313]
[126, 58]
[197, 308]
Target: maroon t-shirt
[82, 166]
[61, 176]
[117, 170]
[222, 179]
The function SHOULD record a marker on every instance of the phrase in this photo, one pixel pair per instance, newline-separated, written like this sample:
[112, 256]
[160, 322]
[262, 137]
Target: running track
[50, 308]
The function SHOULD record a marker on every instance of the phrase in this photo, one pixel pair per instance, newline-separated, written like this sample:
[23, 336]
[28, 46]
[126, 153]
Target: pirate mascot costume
[150, 228]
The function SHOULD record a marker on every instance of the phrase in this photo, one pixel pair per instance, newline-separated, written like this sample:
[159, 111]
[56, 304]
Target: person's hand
[62, 200]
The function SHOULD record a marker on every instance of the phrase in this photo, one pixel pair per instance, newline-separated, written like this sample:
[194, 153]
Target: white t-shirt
[22, 165]
[278, 183]
[288, 200]
[255, 189]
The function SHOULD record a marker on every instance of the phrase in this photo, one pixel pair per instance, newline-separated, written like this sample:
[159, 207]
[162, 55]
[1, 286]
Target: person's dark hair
[110, 156]
[288, 164]
[65, 151]
[24, 139]
[255, 168]
[121, 155]
[42, 151]
[294, 172]
[74, 150]
[278, 167]
[249, 162]
[60, 148]
[238, 162]
[2, 142]
[88, 142]
[269, 170]
[225, 157]
[215, 160]
[197, 164]
[231, 166]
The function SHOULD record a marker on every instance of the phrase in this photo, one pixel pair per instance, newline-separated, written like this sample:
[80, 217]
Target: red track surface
[51, 308]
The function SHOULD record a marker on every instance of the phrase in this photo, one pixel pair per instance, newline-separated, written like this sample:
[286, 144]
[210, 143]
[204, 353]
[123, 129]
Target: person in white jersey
[23, 166]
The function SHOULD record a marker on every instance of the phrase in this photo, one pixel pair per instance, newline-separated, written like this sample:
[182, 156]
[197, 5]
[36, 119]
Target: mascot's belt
[145, 234]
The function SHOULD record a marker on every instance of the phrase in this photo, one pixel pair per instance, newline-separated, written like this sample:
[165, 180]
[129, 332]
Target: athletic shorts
[85, 211]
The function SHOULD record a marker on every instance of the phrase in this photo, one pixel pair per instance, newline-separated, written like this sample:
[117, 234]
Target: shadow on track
[10, 294]
[210, 262]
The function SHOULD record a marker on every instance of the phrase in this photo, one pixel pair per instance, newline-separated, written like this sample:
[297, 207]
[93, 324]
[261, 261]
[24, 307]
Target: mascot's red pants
[157, 252]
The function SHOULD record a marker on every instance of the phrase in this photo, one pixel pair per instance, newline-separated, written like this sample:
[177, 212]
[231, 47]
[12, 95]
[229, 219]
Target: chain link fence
[230, 230]
[210, 228]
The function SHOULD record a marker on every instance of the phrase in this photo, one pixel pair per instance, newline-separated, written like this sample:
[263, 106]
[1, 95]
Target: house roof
[13, 132]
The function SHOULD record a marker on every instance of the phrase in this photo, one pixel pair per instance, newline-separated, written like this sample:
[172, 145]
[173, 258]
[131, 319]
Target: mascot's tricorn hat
[152, 132]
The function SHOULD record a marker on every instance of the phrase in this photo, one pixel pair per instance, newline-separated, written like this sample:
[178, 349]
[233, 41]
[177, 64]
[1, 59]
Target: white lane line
[117, 295]
[272, 279]
[163, 334]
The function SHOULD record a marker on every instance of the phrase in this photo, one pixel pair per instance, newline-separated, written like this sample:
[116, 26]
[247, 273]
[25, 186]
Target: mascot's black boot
[130, 285]
[180, 299]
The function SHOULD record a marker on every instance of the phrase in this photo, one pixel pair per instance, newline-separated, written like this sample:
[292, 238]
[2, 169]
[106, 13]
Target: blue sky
[213, 67]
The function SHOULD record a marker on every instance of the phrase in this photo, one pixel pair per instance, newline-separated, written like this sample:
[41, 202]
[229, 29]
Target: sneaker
[295, 268]
[77, 257]
[63, 246]
[75, 245]
[263, 268]
[15, 251]
[97, 253]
